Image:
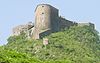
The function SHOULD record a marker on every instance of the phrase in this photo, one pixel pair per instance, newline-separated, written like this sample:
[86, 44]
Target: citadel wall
[47, 21]
[22, 28]
[46, 18]
[64, 23]
[87, 24]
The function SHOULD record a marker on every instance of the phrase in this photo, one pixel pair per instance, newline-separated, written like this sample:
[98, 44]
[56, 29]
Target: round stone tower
[42, 17]
[46, 19]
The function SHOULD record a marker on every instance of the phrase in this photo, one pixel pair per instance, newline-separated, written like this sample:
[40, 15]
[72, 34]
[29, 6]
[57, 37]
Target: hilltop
[78, 44]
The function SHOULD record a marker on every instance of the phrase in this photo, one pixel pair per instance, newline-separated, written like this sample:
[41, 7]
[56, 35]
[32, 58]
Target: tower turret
[46, 19]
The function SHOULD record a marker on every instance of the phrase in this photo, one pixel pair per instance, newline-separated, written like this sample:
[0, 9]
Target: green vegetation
[8, 56]
[75, 45]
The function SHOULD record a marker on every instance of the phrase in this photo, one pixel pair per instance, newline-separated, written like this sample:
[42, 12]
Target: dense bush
[9, 56]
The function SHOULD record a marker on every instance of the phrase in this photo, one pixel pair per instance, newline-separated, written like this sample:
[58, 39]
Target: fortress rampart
[47, 21]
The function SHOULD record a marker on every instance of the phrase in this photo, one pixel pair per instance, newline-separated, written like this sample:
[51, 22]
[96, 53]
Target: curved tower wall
[46, 18]
[43, 17]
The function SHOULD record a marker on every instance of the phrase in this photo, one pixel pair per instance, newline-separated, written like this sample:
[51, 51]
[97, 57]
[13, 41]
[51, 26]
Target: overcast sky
[16, 12]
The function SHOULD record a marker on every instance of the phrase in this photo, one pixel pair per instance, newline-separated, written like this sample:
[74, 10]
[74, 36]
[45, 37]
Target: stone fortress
[47, 21]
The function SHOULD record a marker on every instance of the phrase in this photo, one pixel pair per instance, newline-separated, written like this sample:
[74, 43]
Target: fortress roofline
[85, 23]
[45, 5]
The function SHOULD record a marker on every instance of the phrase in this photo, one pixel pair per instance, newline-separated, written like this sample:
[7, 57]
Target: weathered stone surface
[47, 21]
[22, 28]
[46, 18]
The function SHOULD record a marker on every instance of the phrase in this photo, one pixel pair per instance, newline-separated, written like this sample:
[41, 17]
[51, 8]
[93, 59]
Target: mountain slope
[76, 44]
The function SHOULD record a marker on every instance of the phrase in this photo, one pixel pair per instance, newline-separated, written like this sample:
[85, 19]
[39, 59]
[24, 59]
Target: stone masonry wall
[47, 21]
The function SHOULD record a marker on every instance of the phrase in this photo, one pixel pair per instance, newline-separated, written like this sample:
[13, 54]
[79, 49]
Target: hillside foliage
[78, 44]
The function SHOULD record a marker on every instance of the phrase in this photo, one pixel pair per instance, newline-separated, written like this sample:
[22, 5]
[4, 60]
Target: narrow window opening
[42, 6]
[42, 13]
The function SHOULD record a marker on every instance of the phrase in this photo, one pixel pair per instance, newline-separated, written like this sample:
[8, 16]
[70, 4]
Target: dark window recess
[42, 6]
[42, 13]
